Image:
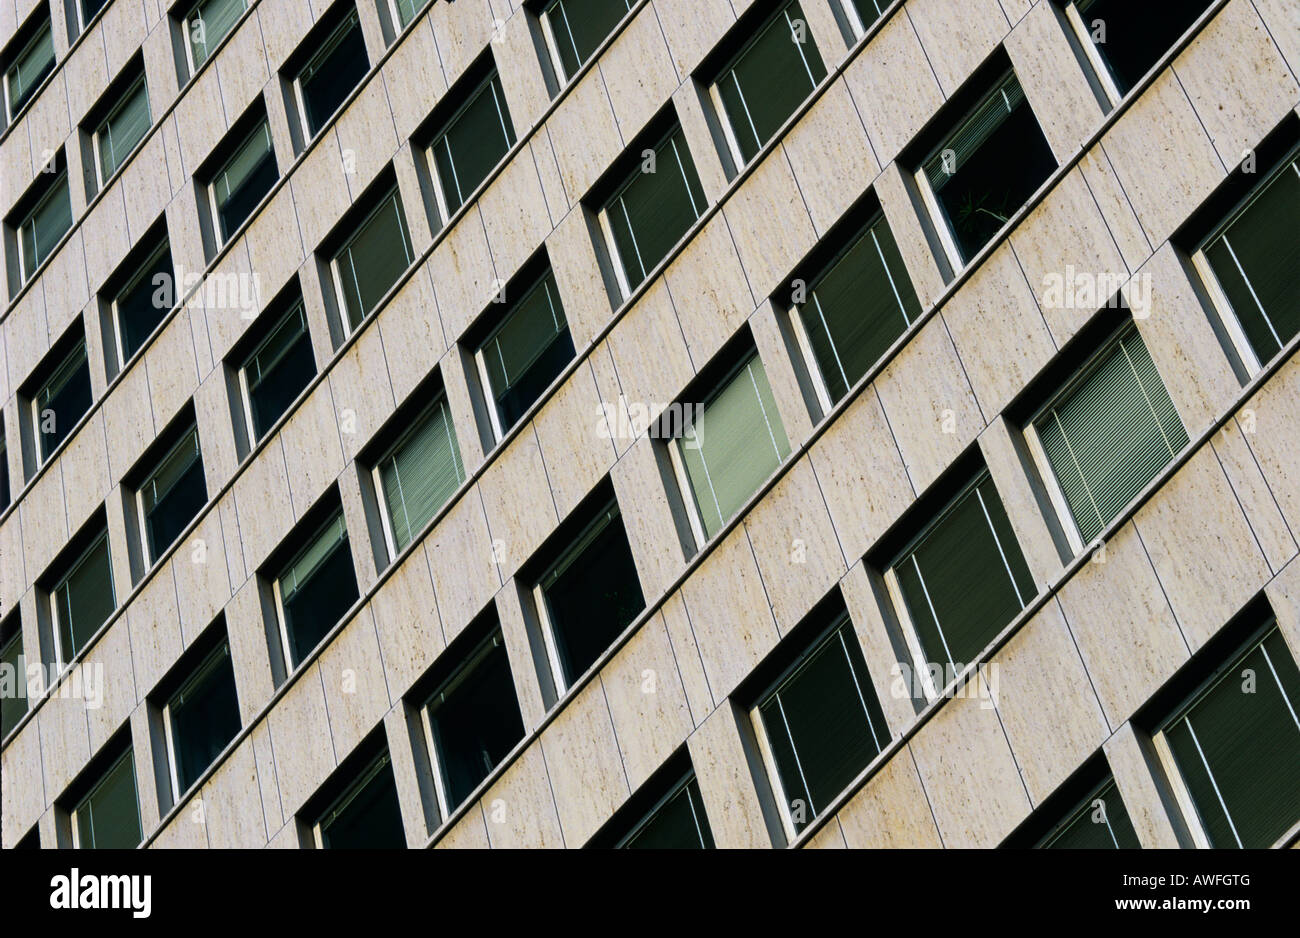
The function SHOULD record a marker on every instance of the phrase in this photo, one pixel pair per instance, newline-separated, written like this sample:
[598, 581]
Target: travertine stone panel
[1134, 775]
[116, 686]
[585, 134]
[774, 353]
[738, 819]
[22, 798]
[414, 78]
[796, 546]
[201, 575]
[957, 39]
[148, 191]
[465, 278]
[172, 369]
[575, 449]
[639, 73]
[84, 464]
[650, 355]
[268, 786]
[891, 810]
[65, 742]
[1284, 28]
[233, 812]
[356, 691]
[687, 655]
[647, 518]
[830, 837]
[320, 189]
[929, 405]
[520, 809]
[241, 68]
[274, 252]
[313, 452]
[572, 253]
[692, 27]
[407, 622]
[969, 773]
[582, 758]
[263, 503]
[515, 215]
[470, 832]
[366, 137]
[1284, 597]
[301, 741]
[1248, 484]
[1116, 210]
[770, 222]
[412, 333]
[1162, 157]
[894, 87]
[1269, 421]
[709, 290]
[1048, 708]
[406, 777]
[520, 68]
[462, 30]
[156, 639]
[1237, 80]
[360, 391]
[878, 651]
[464, 566]
[517, 517]
[999, 330]
[1121, 620]
[730, 613]
[1027, 506]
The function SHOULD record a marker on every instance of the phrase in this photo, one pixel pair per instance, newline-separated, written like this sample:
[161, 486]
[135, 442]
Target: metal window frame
[553, 45]
[61, 658]
[146, 535]
[10, 112]
[677, 788]
[134, 281]
[343, 801]
[489, 83]
[74, 814]
[336, 261]
[205, 668]
[97, 147]
[214, 205]
[43, 456]
[416, 424]
[24, 274]
[189, 46]
[327, 47]
[1101, 69]
[278, 593]
[245, 387]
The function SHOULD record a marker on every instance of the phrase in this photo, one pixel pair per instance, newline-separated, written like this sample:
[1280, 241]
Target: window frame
[141, 515]
[348, 795]
[11, 113]
[1100, 68]
[336, 266]
[398, 27]
[81, 353]
[141, 271]
[29, 220]
[185, 21]
[767, 754]
[376, 471]
[677, 788]
[463, 671]
[331, 42]
[128, 755]
[1083, 805]
[138, 84]
[617, 261]
[286, 644]
[854, 18]
[1223, 311]
[488, 83]
[61, 658]
[898, 602]
[544, 18]
[1164, 752]
[245, 388]
[1038, 453]
[214, 206]
[206, 666]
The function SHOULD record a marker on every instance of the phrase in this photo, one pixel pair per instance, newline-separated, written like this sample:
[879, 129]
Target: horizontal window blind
[84, 599]
[35, 62]
[422, 474]
[972, 134]
[209, 23]
[300, 571]
[109, 817]
[243, 163]
[370, 263]
[124, 129]
[578, 27]
[474, 142]
[49, 221]
[524, 336]
[172, 470]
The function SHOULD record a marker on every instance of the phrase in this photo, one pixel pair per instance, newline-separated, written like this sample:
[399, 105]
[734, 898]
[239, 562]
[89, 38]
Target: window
[1098, 822]
[240, 184]
[4, 472]
[418, 475]
[277, 371]
[676, 822]
[62, 400]
[767, 81]
[13, 706]
[1106, 436]
[207, 24]
[471, 723]
[171, 496]
[959, 583]
[1124, 40]
[88, 10]
[200, 718]
[820, 725]
[367, 816]
[863, 13]
[471, 144]
[405, 11]
[984, 171]
[588, 595]
[332, 72]
[855, 311]
[372, 259]
[82, 598]
[122, 130]
[731, 447]
[574, 29]
[109, 816]
[524, 354]
[315, 589]
[45, 225]
[28, 68]
[1231, 750]
[656, 205]
[141, 304]
[1252, 266]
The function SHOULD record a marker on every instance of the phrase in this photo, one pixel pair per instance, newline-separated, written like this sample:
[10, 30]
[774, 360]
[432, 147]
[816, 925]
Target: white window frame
[142, 518]
[1223, 310]
[764, 741]
[396, 14]
[10, 113]
[553, 45]
[128, 755]
[209, 663]
[82, 22]
[60, 655]
[134, 280]
[330, 43]
[1094, 56]
[440, 194]
[347, 797]
[855, 19]
[729, 70]
[30, 220]
[607, 230]
[214, 206]
[336, 267]
[278, 595]
[466, 668]
[99, 131]
[1164, 753]
[189, 46]
[245, 391]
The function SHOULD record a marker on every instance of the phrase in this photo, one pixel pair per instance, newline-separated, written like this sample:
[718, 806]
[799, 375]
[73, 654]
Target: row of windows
[1224, 730]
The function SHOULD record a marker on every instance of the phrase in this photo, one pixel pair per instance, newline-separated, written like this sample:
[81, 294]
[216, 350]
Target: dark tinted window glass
[593, 594]
[475, 722]
[279, 370]
[13, 706]
[527, 352]
[1133, 36]
[1100, 822]
[84, 598]
[63, 400]
[578, 27]
[374, 258]
[109, 817]
[204, 717]
[173, 495]
[329, 78]
[244, 180]
[475, 141]
[678, 824]
[369, 818]
[317, 589]
[144, 302]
